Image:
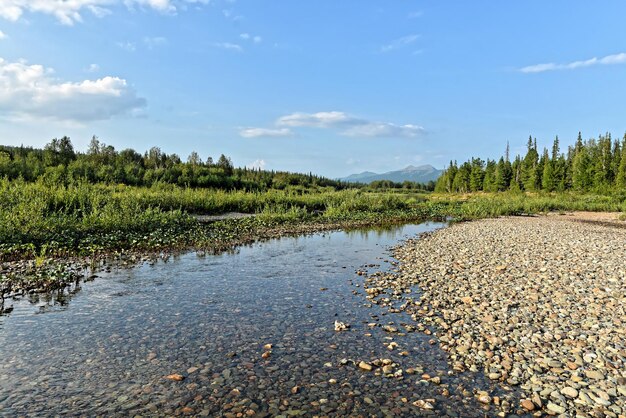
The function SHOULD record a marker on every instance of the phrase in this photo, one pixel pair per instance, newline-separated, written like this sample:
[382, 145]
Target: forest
[60, 163]
[594, 165]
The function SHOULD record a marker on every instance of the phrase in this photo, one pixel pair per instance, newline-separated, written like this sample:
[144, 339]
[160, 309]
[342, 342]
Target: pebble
[527, 404]
[569, 392]
[365, 366]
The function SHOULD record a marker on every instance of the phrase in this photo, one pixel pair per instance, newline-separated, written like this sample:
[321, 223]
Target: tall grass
[41, 218]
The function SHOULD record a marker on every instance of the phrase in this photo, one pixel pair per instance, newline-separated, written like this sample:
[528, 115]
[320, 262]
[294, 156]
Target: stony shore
[534, 302]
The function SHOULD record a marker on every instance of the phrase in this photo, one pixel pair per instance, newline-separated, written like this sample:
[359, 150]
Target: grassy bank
[41, 223]
[40, 219]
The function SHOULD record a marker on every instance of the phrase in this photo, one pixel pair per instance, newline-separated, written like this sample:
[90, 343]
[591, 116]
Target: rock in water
[341, 326]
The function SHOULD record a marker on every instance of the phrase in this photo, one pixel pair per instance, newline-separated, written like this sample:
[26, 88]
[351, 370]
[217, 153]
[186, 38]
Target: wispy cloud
[93, 68]
[127, 45]
[2, 35]
[98, 11]
[317, 120]
[343, 123]
[231, 15]
[607, 60]
[154, 42]
[229, 46]
[416, 14]
[247, 37]
[384, 130]
[399, 43]
[265, 133]
[69, 12]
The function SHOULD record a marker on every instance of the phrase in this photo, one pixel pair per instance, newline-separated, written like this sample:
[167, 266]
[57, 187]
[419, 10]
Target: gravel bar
[534, 302]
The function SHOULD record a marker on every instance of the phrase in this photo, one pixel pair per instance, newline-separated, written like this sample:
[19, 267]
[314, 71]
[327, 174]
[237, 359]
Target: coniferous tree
[529, 166]
[621, 170]
[489, 180]
[616, 159]
[516, 169]
[548, 180]
[600, 155]
[503, 175]
[477, 175]
[581, 170]
[462, 179]
[445, 182]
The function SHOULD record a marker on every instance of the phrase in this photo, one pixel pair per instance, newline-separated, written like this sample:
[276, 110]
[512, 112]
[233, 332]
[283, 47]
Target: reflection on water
[106, 347]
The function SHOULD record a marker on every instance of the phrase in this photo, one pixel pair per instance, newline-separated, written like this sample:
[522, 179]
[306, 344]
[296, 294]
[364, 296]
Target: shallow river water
[106, 347]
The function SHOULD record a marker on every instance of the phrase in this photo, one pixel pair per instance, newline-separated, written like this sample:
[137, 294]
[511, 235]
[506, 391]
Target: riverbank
[537, 302]
[54, 235]
[40, 273]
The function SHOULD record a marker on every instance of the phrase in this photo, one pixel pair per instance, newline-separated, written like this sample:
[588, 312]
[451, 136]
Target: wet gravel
[252, 333]
[537, 303]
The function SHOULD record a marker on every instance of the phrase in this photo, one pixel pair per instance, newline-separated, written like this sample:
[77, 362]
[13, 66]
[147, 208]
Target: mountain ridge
[418, 174]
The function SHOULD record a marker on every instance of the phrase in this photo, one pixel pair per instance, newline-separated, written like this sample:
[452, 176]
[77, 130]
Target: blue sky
[332, 87]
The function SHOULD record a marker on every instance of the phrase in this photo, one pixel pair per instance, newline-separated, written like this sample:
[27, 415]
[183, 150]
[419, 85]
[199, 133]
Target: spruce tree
[477, 175]
[548, 182]
[502, 181]
[581, 170]
[529, 166]
[621, 171]
[489, 181]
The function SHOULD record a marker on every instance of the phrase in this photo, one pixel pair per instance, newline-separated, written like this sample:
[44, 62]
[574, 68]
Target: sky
[330, 87]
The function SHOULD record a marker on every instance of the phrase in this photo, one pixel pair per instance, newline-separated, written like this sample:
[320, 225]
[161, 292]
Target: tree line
[588, 165]
[59, 163]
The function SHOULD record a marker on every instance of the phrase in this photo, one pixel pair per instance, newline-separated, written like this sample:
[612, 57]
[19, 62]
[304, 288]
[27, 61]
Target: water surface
[105, 347]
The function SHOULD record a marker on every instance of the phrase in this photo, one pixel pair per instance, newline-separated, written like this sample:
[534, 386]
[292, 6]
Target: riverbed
[247, 333]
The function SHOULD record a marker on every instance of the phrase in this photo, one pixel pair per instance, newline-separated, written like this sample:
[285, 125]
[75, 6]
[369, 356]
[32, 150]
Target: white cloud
[99, 11]
[2, 35]
[30, 92]
[247, 37]
[153, 42]
[257, 165]
[384, 130]
[93, 68]
[228, 45]
[316, 120]
[350, 126]
[399, 43]
[68, 12]
[165, 6]
[230, 14]
[607, 60]
[127, 45]
[265, 132]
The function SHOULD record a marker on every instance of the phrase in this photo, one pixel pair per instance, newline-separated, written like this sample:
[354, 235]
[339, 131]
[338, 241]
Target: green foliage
[589, 166]
[58, 163]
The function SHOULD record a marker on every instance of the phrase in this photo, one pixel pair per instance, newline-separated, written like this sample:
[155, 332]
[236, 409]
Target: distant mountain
[421, 174]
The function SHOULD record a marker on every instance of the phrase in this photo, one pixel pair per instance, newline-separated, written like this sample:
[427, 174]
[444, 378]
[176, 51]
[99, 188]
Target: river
[106, 347]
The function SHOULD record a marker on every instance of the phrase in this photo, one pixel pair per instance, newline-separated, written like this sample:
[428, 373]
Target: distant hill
[421, 174]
